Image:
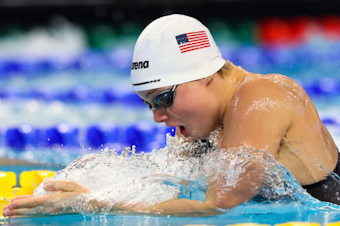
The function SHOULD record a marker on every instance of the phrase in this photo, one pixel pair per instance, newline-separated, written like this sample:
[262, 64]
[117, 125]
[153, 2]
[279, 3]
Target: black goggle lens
[164, 99]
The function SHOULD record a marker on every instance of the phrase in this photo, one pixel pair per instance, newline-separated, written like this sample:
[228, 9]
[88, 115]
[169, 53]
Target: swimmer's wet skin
[188, 84]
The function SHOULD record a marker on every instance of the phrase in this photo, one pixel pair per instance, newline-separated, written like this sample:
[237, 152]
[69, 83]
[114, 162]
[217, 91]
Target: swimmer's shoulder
[257, 86]
[258, 98]
[269, 85]
[257, 94]
[273, 80]
[292, 88]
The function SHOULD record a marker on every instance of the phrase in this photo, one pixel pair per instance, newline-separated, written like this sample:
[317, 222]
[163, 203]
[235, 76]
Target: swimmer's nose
[160, 115]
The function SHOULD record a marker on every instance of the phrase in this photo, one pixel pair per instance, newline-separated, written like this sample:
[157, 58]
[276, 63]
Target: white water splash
[180, 170]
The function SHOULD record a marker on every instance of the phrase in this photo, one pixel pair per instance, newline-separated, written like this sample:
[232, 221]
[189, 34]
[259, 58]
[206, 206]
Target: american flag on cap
[192, 41]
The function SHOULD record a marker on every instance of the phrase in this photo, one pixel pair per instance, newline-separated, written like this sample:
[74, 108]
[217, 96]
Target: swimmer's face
[193, 108]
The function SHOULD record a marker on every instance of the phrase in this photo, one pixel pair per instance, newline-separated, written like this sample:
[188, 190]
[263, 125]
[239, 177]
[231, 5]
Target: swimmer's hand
[51, 204]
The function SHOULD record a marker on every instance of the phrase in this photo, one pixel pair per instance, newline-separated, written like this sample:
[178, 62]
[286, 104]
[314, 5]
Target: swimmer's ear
[208, 80]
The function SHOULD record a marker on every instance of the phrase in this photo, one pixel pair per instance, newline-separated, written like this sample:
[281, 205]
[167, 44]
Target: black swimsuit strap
[337, 167]
[328, 189]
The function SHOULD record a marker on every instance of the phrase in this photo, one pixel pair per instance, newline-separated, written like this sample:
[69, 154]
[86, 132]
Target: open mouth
[184, 132]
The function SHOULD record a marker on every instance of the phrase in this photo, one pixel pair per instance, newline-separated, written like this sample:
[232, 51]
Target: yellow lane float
[29, 180]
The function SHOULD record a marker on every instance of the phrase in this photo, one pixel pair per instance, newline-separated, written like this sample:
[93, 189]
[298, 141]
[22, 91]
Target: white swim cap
[173, 50]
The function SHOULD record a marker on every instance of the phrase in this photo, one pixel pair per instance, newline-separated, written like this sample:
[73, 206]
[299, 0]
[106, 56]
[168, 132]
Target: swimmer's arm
[178, 207]
[54, 203]
[63, 191]
[219, 196]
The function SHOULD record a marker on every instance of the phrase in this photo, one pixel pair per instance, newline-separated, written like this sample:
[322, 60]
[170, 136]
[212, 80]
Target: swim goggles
[163, 99]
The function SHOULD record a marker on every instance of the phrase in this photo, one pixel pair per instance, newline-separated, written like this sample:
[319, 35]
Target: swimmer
[179, 73]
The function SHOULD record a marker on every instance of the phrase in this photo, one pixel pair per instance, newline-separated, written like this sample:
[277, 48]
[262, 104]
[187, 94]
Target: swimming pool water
[327, 107]
[269, 212]
[42, 114]
[261, 214]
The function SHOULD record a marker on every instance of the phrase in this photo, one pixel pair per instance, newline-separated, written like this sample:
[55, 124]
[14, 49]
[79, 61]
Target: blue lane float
[330, 121]
[326, 86]
[63, 134]
[145, 136]
[15, 138]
